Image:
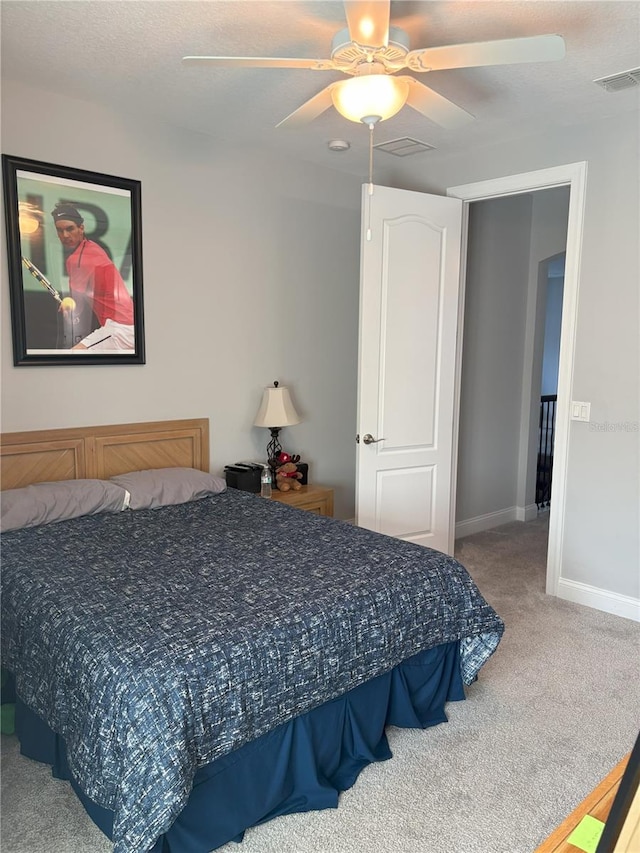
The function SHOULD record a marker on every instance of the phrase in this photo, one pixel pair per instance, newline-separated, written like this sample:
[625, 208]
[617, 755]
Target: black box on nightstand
[243, 476]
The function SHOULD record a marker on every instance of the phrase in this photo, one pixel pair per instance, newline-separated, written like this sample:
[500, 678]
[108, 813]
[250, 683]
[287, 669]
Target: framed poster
[74, 248]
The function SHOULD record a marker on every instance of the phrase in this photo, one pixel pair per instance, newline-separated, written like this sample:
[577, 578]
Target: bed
[202, 666]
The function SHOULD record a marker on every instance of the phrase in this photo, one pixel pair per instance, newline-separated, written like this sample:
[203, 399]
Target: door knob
[369, 439]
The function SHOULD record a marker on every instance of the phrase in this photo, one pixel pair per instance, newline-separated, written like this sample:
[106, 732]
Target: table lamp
[276, 411]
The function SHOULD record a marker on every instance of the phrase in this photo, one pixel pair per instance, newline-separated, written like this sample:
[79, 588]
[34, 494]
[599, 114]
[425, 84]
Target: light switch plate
[580, 411]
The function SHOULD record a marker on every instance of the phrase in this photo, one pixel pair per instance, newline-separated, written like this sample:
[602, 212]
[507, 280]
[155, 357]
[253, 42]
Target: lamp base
[273, 449]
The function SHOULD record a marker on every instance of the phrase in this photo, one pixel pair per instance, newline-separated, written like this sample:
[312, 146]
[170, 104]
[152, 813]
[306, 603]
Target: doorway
[572, 176]
[511, 323]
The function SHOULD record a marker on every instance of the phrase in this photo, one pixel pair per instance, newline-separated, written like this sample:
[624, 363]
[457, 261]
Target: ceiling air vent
[403, 147]
[618, 82]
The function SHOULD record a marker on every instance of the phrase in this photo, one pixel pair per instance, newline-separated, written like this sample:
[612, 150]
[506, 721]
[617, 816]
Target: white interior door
[409, 290]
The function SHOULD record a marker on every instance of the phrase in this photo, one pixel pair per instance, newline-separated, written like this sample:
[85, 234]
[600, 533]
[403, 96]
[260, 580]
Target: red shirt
[93, 275]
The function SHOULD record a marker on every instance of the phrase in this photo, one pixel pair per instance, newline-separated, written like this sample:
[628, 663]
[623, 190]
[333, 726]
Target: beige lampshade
[276, 408]
[375, 96]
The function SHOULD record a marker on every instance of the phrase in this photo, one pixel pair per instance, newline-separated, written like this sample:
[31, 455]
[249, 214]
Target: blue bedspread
[157, 641]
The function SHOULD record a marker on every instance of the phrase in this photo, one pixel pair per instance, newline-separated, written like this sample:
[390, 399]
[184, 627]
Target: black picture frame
[75, 279]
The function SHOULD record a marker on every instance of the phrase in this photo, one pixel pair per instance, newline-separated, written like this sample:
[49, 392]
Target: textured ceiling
[127, 53]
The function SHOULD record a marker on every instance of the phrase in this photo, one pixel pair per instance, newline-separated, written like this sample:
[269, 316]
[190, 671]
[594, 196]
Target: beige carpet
[552, 712]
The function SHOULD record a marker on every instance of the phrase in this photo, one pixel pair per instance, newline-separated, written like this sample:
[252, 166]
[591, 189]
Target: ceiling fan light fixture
[374, 96]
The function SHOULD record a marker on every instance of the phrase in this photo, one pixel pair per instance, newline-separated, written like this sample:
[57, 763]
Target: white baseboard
[600, 599]
[485, 522]
[526, 513]
[495, 519]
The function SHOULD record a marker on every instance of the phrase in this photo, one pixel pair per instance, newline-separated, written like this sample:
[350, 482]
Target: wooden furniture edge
[630, 832]
[562, 832]
[21, 452]
[30, 436]
[307, 493]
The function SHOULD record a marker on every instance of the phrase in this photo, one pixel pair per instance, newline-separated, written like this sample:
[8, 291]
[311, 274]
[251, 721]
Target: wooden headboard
[101, 451]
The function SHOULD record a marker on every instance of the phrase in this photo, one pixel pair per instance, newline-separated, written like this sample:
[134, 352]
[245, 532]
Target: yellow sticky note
[587, 834]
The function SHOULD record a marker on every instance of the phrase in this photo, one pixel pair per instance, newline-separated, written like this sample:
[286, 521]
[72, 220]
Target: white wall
[251, 273]
[600, 547]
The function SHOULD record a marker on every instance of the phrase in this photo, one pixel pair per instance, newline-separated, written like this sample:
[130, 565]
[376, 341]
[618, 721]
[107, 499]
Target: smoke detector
[338, 145]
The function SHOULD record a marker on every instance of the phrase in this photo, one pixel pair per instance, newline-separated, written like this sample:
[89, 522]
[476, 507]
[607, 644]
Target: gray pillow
[164, 486]
[45, 503]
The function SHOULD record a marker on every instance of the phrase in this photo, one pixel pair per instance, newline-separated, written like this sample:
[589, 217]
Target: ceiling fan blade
[501, 52]
[435, 106]
[258, 62]
[368, 21]
[310, 109]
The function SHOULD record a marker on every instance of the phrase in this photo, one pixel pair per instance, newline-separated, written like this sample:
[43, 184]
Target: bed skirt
[300, 766]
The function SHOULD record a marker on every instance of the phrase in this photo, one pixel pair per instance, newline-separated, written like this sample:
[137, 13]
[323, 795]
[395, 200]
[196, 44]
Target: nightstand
[316, 499]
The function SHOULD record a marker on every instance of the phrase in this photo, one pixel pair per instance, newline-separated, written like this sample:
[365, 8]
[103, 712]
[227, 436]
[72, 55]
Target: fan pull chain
[371, 126]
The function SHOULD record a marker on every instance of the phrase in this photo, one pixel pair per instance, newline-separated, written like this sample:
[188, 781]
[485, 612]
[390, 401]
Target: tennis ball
[68, 304]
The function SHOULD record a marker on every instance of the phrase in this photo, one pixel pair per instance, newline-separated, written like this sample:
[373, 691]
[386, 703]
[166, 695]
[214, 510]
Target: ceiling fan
[371, 52]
